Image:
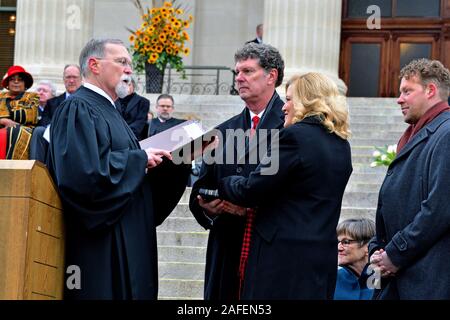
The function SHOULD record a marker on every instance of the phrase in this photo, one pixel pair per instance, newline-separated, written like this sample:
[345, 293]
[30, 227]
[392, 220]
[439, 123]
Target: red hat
[18, 70]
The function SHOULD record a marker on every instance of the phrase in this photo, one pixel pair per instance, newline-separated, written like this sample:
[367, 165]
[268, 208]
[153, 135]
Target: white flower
[383, 157]
[376, 153]
[392, 148]
[373, 164]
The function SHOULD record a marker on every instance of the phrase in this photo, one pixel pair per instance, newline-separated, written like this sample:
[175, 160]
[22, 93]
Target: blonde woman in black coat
[293, 251]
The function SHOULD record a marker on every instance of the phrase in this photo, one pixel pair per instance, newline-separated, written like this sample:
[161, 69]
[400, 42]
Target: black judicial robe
[111, 207]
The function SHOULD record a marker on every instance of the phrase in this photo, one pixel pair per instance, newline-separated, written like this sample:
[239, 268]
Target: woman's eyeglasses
[347, 242]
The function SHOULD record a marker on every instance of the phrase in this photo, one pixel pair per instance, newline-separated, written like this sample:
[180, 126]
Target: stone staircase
[182, 242]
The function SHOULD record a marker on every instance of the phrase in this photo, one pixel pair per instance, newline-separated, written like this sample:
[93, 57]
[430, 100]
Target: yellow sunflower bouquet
[161, 38]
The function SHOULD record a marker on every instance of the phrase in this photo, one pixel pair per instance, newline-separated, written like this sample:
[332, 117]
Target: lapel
[240, 122]
[273, 118]
[422, 135]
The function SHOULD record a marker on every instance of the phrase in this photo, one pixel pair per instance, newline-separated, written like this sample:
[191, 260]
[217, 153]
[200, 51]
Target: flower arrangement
[161, 38]
[383, 156]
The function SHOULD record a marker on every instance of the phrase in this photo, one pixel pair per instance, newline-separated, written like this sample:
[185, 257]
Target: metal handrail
[200, 82]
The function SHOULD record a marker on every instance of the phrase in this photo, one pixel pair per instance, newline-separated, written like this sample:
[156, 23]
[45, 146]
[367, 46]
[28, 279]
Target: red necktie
[255, 121]
[249, 218]
[245, 250]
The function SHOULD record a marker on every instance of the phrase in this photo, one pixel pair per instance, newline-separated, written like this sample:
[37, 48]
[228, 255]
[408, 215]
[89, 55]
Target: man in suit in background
[46, 90]
[164, 119]
[38, 144]
[134, 109]
[259, 34]
[259, 70]
[72, 81]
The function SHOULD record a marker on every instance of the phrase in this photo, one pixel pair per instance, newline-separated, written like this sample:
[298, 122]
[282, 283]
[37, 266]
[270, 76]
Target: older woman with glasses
[353, 237]
[18, 114]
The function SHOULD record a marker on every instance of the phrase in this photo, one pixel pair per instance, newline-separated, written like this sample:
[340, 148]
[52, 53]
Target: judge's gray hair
[95, 48]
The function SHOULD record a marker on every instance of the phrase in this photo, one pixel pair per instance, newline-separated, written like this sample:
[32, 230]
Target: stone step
[180, 224]
[366, 168]
[185, 239]
[362, 159]
[185, 197]
[379, 142]
[181, 271]
[367, 126]
[177, 289]
[353, 186]
[354, 212]
[365, 177]
[181, 211]
[377, 119]
[181, 254]
[360, 199]
[373, 135]
[359, 110]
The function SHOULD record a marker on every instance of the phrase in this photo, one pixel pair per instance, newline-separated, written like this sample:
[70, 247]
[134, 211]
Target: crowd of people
[271, 235]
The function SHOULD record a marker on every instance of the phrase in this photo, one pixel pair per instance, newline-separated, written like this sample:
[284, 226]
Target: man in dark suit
[38, 144]
[259, 70]
[411, 246]
[134, 109]
[259, 35]
[164, 119]
[72, 81]
[46, 90]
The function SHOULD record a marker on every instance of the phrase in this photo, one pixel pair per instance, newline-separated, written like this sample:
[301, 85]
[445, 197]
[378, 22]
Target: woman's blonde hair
[320, 97]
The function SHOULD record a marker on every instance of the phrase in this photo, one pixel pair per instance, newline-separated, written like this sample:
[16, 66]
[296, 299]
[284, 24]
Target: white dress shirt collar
[252, 114]
[99, 91]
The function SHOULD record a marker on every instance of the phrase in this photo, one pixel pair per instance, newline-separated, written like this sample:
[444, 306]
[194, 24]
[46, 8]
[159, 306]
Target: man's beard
[122, 87]
[165, 116]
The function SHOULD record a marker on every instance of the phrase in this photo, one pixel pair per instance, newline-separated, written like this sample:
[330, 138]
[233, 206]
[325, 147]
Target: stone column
[51, 34]
[307, 33]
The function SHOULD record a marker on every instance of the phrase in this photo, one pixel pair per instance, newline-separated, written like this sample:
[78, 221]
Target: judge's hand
[155, 156]
[8, 122]
[234, 209]
[212, 208]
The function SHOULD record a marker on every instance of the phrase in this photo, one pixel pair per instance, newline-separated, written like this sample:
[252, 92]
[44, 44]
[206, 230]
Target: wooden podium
[31, 233]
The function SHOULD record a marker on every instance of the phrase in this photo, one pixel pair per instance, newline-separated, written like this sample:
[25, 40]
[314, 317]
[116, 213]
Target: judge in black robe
[111, 206]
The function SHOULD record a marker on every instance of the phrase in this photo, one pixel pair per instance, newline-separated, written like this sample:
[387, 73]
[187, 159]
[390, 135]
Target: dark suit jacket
[156, 126]
[293, 251]
[134, 111]
[254, 40]
[413, 215]
[226, 231]
[50, 109]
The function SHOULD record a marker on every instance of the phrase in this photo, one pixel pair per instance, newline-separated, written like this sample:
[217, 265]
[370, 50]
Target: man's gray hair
[95, 48]
[71, 65]
[268, 58]
[50, 84]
